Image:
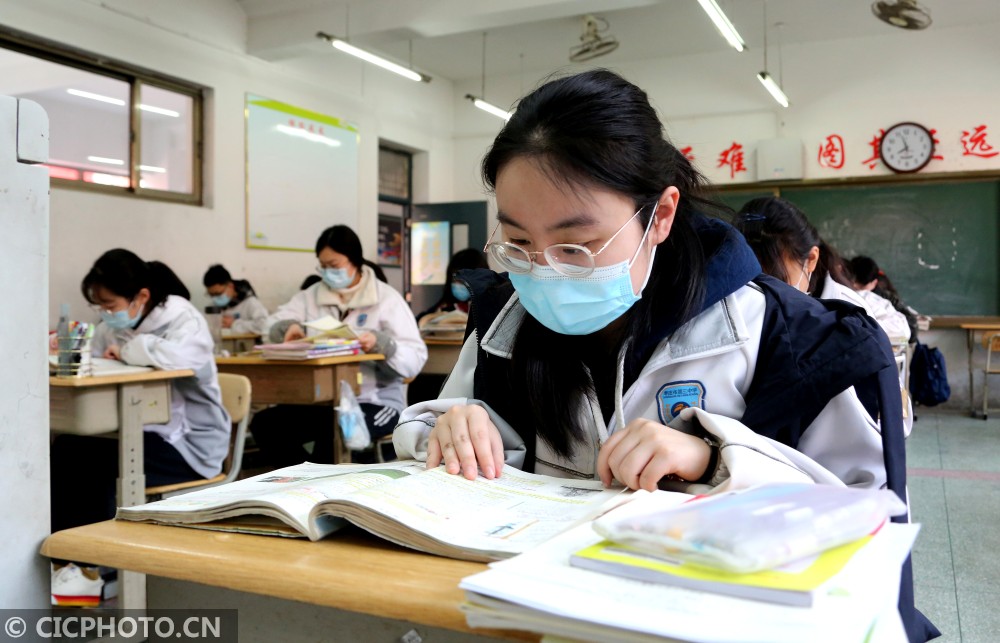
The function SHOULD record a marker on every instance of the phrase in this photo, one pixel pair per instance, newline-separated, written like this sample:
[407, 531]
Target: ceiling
[444, 38]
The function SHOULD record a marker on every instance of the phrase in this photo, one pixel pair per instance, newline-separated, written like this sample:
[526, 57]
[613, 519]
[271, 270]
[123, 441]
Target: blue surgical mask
[580, 306]
[221, 300]
[337, 278]
[120, 320]
[460, 291]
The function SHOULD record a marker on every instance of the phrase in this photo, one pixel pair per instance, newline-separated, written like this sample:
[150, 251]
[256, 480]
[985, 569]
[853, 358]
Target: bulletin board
[301, 174]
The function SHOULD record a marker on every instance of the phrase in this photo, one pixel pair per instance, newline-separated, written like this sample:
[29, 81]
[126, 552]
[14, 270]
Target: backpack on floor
[928, 376]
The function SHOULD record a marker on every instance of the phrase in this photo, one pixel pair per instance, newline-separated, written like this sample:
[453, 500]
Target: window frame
[51, 51]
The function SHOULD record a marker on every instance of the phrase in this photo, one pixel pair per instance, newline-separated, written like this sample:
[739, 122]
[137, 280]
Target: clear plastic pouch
[757, 528]
[351, 419]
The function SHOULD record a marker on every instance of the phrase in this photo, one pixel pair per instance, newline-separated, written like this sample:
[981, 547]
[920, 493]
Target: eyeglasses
[101, 309]
[569, 259]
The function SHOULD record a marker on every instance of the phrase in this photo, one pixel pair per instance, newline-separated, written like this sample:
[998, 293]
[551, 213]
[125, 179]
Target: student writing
[242, 312]
[146, 320]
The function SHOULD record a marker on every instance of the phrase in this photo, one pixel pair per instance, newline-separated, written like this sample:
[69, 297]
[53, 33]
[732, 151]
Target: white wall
[204, 42]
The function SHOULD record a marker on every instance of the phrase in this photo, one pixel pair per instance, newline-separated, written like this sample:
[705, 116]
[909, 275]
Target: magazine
[403, 502]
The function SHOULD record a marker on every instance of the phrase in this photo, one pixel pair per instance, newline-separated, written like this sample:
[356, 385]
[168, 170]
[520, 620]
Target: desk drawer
[87, 410]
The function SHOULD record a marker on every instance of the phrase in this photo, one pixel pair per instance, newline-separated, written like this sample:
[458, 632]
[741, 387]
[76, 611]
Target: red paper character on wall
[937, 146]
[688, 153]
[831, 153]
[873, 160]
[974, 143]
[733, 157]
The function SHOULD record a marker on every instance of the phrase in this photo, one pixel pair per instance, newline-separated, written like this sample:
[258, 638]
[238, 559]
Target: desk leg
[969, 340]
[131, 482]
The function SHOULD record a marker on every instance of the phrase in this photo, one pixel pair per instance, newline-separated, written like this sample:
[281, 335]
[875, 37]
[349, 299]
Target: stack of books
[310, 349]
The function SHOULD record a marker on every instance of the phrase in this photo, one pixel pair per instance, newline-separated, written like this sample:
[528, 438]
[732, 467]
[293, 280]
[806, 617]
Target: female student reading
[790, 248]
[351, 292]
[633, 336]
[146, 320]
[242, 312]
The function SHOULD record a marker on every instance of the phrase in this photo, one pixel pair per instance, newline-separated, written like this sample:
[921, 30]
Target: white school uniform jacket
[698, 380]
[251, 316]
[891, 320]
[174, 335]
[372, 306]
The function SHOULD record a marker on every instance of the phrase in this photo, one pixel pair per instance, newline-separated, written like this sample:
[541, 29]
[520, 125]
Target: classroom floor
[953, 465]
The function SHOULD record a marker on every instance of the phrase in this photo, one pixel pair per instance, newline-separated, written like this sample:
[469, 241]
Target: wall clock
[906, 147]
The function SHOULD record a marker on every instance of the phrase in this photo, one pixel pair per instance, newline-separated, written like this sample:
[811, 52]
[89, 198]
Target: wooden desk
[310, 381]
[237, 343]
[101, 403]
[441, 355]
[123, 403]
[348, 574]
[970, 338]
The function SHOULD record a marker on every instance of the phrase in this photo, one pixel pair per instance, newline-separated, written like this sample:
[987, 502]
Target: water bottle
[214, 316]
[64, 343]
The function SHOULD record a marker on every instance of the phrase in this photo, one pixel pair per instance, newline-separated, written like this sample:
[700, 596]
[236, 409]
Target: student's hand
[645, 451]
[466, 440]
[294, 332]
[113, 352]
[367, 341]
[227, 321]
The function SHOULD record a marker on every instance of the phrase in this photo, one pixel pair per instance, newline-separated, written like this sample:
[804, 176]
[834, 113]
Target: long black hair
[596, 129]
[121, 272]
[776, 228]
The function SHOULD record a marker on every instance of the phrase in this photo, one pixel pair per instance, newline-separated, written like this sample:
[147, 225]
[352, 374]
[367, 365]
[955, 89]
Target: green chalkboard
[938, 243]
[736, 198]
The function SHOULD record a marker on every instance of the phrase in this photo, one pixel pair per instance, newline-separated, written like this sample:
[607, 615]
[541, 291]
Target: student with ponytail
[146, 320]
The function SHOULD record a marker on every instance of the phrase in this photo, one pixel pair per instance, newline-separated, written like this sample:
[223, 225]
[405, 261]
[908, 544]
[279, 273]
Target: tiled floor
[954, 483]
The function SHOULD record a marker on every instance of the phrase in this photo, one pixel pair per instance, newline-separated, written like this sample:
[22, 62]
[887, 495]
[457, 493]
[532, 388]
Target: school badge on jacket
[674, 397]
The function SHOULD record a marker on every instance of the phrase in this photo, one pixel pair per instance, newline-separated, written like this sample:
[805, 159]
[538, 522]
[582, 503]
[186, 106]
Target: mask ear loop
[807, 274]
[649, 224]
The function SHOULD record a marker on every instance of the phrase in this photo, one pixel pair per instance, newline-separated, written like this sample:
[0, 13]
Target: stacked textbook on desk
[310, 349]
[849, 595]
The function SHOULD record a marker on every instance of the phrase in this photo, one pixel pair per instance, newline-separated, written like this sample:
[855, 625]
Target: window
[112, 128]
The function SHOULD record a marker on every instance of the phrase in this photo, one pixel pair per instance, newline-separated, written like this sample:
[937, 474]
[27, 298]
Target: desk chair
[991, 342]
[236, 399]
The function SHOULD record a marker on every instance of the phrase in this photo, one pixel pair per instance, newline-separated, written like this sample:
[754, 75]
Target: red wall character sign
[974, 143]
[688, 153]
[733, 157]
[831, 153]
[876, 141]
[937, 146]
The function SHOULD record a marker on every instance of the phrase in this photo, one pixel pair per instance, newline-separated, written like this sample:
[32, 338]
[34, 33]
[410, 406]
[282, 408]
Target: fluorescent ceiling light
[159, 110]
[104, 159]
[93, 96]
[722, 23]
[367, 56]
[106, 179]
[309, 136]
[153, 169]
[771, 86]
[499, 112]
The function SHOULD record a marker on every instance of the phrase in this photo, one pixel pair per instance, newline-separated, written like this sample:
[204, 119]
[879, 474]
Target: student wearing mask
[871, 282]
[632, 336]
[146, 320]
[456, 292]
[242, 312]
[349, 291]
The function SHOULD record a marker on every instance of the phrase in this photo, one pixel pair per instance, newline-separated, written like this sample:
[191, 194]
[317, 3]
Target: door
[433, 233]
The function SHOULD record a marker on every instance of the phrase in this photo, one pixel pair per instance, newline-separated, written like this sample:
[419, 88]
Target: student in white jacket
[146, 320]
[350, 292]
[242, 312]
[632, 338]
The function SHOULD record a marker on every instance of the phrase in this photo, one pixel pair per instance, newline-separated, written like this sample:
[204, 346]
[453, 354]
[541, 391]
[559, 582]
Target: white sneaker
[76, 586]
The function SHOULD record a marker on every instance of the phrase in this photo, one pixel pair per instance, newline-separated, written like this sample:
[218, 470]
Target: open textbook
[425, 509]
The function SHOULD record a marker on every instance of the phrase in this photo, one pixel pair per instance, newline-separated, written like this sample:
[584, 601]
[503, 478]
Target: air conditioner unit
[779, 159]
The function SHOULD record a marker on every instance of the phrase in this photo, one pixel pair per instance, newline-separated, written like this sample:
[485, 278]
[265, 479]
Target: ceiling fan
[592, 43]
[905, 14]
